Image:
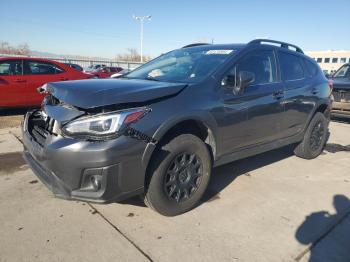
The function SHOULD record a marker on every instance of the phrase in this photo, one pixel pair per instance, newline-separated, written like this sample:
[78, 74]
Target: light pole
[142, 19]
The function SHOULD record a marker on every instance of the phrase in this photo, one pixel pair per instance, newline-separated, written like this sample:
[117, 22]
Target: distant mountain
[53, 55]
[45, 54]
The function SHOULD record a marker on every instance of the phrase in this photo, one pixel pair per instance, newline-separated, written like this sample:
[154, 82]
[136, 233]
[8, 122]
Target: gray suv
[158, 130]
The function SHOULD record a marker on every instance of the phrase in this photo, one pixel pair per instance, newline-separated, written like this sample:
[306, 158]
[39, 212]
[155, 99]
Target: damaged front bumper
[97, 171]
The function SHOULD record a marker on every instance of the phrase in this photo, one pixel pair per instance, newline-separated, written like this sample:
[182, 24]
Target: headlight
[103, 125]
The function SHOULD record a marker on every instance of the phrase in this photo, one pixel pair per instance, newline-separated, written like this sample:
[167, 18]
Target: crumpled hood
[87, 94]
[342, 83]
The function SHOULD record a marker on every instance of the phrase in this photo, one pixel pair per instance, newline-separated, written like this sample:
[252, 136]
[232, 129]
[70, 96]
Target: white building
[331, 60]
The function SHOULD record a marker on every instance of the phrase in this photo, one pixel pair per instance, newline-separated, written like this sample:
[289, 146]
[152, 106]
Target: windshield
[182, 65]
[342, 72]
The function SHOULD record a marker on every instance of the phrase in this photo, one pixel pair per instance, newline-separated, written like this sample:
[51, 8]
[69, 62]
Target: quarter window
[11, 67]
[43, 68]
[291, 66]
[312, 68]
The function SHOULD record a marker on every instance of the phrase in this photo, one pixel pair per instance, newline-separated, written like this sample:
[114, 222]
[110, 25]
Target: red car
[105, 71]
[21, 76]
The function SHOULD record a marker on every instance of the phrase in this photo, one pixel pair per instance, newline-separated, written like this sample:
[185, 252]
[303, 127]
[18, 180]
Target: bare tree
[132, 55]
[23, 49]
[6, 48]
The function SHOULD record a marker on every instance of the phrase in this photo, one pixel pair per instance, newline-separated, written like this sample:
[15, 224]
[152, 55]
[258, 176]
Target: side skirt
[257, 149]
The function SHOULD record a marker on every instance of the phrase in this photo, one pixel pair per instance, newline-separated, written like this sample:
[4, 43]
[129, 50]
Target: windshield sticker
[219, 52]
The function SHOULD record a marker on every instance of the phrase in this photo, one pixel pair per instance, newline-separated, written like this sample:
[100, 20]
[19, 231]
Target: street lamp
[141, 19]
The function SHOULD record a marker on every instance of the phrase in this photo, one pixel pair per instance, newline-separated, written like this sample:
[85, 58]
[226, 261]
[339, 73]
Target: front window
[11, 68]
[261, 64]
[188, 65]
[342, 72]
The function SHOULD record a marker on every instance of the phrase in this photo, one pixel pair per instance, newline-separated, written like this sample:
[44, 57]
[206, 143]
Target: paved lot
[271, 207]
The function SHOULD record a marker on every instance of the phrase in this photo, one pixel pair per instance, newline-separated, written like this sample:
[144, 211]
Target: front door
[12, 84]
[260, 103]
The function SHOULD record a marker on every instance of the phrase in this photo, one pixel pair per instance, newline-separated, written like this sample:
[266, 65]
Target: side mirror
[245, 78]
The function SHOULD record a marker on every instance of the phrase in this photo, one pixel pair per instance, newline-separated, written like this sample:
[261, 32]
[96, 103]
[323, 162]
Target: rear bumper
[341, 109]
[69, 167]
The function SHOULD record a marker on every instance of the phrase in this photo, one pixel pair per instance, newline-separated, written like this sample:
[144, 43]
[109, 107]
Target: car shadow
[334, 148]
[327, 234]
[223, 176]
[14, 111]
[345, 120]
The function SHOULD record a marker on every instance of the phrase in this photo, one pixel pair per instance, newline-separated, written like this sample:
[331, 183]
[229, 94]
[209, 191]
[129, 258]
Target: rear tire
[180, 173]
[314, 139]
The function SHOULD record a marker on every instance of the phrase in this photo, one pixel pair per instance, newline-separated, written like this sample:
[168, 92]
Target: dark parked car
[158, 131]
[75, 66]
[341, 92]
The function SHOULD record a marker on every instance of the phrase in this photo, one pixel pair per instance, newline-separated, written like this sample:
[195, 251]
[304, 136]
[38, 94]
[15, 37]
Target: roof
[24, 58]
[216, 46]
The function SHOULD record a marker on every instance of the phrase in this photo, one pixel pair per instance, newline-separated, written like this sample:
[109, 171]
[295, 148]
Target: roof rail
[195, 44]
[283, 44]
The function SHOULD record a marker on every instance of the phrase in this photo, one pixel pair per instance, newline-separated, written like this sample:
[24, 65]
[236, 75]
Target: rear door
[37, 73]
[12, 83]
[299, 92]
[261, 103]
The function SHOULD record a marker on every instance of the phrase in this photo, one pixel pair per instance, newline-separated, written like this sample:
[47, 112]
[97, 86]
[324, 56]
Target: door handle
[278, 94]
[63, 79]
[20, 80]
[314, 91]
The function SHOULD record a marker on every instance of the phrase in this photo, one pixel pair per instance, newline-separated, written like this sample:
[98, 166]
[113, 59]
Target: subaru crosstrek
[158, 131]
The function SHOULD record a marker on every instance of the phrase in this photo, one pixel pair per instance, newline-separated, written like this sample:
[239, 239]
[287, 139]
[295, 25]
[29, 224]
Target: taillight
[330, 84]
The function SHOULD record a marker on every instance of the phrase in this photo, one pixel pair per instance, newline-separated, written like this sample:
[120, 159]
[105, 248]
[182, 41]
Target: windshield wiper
[152, 79]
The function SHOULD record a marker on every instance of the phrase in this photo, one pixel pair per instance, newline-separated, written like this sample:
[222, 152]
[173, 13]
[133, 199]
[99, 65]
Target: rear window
[11, 67]
[291, 66]
[42, 68]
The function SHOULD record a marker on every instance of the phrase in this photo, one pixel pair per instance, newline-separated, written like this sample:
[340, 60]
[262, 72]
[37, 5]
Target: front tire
[180, 173]
[314, 139]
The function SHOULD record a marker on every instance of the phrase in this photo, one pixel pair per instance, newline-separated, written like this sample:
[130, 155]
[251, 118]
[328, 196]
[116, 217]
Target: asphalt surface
[270, 207]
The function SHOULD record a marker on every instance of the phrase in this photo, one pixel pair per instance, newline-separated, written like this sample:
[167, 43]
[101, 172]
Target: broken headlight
[103, 125]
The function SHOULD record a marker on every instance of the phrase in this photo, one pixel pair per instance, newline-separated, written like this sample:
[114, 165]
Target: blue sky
[105, 27]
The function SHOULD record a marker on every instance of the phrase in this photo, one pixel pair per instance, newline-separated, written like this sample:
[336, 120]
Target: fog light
[96, 182]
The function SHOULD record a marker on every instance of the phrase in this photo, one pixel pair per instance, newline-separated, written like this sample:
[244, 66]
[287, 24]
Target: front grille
[40, 126]
[341, 96]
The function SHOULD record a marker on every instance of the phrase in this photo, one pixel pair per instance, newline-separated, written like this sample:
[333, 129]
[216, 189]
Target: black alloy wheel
[183, 177]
